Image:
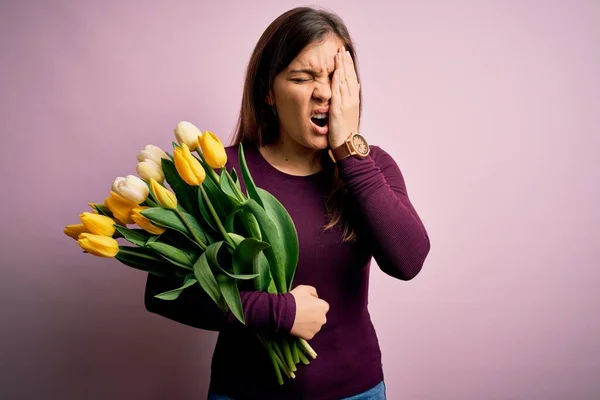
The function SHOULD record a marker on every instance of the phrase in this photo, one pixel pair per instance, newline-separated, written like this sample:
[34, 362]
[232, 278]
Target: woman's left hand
[344, 107]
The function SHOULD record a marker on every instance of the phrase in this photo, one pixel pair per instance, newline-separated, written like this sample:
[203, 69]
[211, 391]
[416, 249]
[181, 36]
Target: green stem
[211, 172]
[281, 360]
[303, 358]
[306, 347]
[189, 228]
[274, 359]
[288, 355]
[295, 351]
[237, 190]
[216, 218]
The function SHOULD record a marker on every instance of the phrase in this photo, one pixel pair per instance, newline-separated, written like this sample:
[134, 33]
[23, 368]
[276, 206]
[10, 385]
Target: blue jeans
[377, 392]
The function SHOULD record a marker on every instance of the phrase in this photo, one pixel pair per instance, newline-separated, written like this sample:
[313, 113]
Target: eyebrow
[305, 71]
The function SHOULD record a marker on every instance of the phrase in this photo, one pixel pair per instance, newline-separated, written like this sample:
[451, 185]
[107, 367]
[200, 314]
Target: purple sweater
[349, 357]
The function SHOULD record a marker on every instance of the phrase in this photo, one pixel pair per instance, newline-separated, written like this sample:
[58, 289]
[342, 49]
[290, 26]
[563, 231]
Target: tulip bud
[213, 150]
[98, 224]
[164, 197]
[98, 245]
[120, 207]
[144, 222]
[148, 169]
[187, 133]
[132, 188]
[152, 152]
[74, 230]
[94, 210]
[188, 167]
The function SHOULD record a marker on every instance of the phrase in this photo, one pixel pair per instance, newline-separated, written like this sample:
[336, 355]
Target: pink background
[491, 109]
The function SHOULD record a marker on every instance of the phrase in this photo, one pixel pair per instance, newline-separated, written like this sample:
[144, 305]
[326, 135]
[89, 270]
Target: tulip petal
[164, 197]
[98, 224]
[75, 230]
[98, 245]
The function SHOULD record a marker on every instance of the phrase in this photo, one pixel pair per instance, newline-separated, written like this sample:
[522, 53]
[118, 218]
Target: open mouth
[320, 119]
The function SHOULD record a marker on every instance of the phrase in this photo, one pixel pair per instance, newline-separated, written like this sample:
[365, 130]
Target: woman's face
[301, 94]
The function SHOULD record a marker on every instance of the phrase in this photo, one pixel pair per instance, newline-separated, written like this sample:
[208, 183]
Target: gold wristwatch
[354, 145]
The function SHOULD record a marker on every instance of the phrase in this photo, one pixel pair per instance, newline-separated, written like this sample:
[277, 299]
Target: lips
[320, 120]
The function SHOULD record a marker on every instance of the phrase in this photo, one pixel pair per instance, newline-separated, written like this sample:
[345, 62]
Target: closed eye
[299, 80]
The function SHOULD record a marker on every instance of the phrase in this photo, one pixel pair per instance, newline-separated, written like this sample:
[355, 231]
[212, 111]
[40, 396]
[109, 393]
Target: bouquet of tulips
[204, 229]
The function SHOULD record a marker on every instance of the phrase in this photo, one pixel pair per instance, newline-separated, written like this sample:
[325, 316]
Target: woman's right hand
[310, 312]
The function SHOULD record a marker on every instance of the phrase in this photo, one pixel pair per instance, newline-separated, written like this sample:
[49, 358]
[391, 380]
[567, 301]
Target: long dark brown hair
[280, 43]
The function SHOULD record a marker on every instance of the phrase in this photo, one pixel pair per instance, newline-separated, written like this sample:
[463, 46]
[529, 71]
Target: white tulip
[187, 133]
[149, 169]
[152, 152]
[132, 188]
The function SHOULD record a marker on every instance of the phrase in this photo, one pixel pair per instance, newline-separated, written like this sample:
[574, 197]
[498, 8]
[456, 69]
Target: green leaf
[212, 253]
[173, 254]
[169, 219]
[251, 224]
[275, 254]
[139, 237]
[247, 260]
[231, 294]
[205, 212]
[151, 203]
[185, 193]
[144, 260]
[207, 280]
[219, 200]
[287, 233]
[234, 176]
[227, 188]
[248, 181]
[174, 294]
[103, 210]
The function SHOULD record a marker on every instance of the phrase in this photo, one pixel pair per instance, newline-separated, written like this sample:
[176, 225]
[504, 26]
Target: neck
[292, 158]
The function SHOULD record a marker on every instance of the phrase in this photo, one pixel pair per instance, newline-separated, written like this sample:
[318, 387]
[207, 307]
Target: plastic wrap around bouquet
[188, 217]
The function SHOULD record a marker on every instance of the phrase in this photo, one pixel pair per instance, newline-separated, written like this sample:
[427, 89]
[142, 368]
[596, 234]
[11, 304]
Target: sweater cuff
[287, 308]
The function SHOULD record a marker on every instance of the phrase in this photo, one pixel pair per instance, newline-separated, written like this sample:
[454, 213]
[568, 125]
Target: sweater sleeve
[263, 312]
[387, 219]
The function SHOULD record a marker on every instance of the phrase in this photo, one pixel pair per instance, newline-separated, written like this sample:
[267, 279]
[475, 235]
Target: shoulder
[381, 157]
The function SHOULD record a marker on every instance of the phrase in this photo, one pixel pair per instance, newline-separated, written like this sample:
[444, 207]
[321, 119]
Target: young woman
[299, 124]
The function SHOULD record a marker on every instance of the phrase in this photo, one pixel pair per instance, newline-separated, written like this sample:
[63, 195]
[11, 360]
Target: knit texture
[349, 358]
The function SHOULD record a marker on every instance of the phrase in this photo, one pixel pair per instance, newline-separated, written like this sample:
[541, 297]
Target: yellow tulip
[98, 245]
[188, 167]
[98, 224]
[213, 150]
[93, 208]
[164, 197]
[145, 223]
[120, 207]
[74, 230]
[187, 133]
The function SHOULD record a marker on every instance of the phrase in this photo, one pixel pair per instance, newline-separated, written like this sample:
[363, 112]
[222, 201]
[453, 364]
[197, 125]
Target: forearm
[386, 218]
[263, 312]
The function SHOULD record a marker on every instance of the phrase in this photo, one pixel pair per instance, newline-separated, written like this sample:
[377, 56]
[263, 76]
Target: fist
[310, 312]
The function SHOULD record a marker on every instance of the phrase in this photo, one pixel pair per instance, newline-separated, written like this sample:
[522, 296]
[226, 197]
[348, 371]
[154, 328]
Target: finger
[350, 68]
[335, 85]
[350, 74]
[326, 305]
[342, 67]
[312, 291]
[342, 75]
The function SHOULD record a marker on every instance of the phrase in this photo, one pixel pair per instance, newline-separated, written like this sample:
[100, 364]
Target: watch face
[360, 144]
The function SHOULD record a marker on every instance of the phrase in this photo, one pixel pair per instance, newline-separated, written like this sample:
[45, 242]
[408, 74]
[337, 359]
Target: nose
[322, 90]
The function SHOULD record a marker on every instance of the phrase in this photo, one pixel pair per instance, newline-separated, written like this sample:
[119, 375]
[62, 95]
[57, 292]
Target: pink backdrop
[490, 108]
